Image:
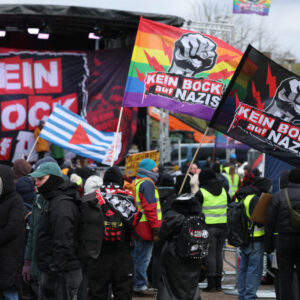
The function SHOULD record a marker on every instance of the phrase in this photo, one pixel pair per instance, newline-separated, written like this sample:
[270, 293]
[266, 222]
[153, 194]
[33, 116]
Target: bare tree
[243, 31]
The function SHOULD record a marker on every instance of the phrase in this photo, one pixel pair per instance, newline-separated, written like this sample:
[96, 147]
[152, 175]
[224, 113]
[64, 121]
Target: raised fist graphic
[286, 102]
[193, 53]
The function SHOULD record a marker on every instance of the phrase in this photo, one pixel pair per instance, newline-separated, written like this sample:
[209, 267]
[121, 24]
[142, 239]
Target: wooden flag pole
[116, 137]
[32, 149]
[195, 155]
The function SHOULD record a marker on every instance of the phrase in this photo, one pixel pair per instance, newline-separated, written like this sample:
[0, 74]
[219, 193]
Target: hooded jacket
[57, 241]
[11, 232]
[180, 276]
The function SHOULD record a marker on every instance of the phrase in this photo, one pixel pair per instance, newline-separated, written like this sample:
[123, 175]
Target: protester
[251, 263]
[30, 270]
[58, 153]
[21, 168]
[57, 241]
[220, 176]
[166, 196]
[147, 200]
[232, 162]
[114, 265]
[78, 181]
[92, 184]
[248, 179]
[186, 189]
[42, 145]
[214, 199]
[194, 174]
[180, 276]
[25, 188]
[278, 220]
[233, 180]
[11, 235]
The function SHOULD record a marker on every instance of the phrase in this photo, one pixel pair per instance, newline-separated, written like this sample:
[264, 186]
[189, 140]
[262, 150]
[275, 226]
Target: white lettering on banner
[41, 73]
[32, 114]
[27, 74]
[6, 116]
[24, 76]
[5, 145]
[14, 115]
[25, 141]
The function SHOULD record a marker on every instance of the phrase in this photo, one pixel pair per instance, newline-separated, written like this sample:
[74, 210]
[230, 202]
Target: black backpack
[238, 225]
[193, 239]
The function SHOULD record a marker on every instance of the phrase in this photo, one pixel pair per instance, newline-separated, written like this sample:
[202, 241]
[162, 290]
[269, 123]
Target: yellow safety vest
[258, 231]
[234, 184]
[226, 169]
[214, 207]
[137, 199]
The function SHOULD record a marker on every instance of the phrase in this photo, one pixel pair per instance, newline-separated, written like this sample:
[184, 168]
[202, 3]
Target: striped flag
[69, 131]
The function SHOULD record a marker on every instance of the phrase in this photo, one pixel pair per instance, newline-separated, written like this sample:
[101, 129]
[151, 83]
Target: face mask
[1, 186]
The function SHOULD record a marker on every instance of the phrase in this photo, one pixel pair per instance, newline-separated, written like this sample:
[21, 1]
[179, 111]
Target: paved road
[229, 281]
[217, 296]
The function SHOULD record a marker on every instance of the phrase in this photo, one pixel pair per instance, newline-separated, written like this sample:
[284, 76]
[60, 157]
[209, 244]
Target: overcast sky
[283, 21]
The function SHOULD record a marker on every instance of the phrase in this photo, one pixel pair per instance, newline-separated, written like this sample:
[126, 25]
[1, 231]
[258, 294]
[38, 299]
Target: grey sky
[283, 22]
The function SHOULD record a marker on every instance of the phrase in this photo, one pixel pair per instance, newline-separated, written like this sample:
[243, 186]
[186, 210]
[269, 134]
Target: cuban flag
[70, 131]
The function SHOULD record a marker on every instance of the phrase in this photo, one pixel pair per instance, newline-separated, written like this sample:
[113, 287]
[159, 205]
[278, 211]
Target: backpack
[294, 215]
[193, 239]
[120, 214]
[238, 232]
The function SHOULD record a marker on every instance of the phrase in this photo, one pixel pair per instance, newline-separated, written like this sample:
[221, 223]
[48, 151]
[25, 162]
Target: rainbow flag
[179, 70]
[260, 7]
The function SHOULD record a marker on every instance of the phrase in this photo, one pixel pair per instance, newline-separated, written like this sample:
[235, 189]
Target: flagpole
[195, 155]
[32, 148]
[116, 137]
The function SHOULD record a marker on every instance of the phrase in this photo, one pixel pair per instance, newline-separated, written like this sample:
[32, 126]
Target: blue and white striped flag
[69, 131]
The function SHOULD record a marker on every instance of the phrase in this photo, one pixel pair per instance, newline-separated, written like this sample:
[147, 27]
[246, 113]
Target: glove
[155, 234]
[26, 271]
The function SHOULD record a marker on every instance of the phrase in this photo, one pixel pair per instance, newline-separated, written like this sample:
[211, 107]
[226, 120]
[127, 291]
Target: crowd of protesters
[40, 220]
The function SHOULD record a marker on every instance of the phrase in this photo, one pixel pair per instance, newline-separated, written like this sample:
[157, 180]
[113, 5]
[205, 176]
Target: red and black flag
[261, 107]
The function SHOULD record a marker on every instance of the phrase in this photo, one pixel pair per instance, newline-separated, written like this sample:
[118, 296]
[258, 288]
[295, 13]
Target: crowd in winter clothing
[40, 221]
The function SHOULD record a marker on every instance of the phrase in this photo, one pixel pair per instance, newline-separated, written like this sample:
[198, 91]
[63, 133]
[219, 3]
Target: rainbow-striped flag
[260, 7]
[179, 70]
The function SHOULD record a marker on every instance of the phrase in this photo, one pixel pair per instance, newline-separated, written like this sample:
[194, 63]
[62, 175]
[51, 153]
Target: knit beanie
[147, 164]
[294, 175]
[92, 184]
[113, 175]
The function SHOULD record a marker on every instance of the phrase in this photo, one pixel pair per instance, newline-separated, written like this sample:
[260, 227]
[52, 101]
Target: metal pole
[147, 131]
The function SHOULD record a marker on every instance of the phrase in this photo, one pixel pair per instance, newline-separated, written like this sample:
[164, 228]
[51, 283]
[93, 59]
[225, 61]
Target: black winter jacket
[57, 240]
[278, 215]
[180, 277]
[11, 232]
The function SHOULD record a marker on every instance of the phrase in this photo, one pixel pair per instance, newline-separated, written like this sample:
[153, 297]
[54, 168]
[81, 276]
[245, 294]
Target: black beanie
[206, 175]
[113, 175]
[294, 175]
